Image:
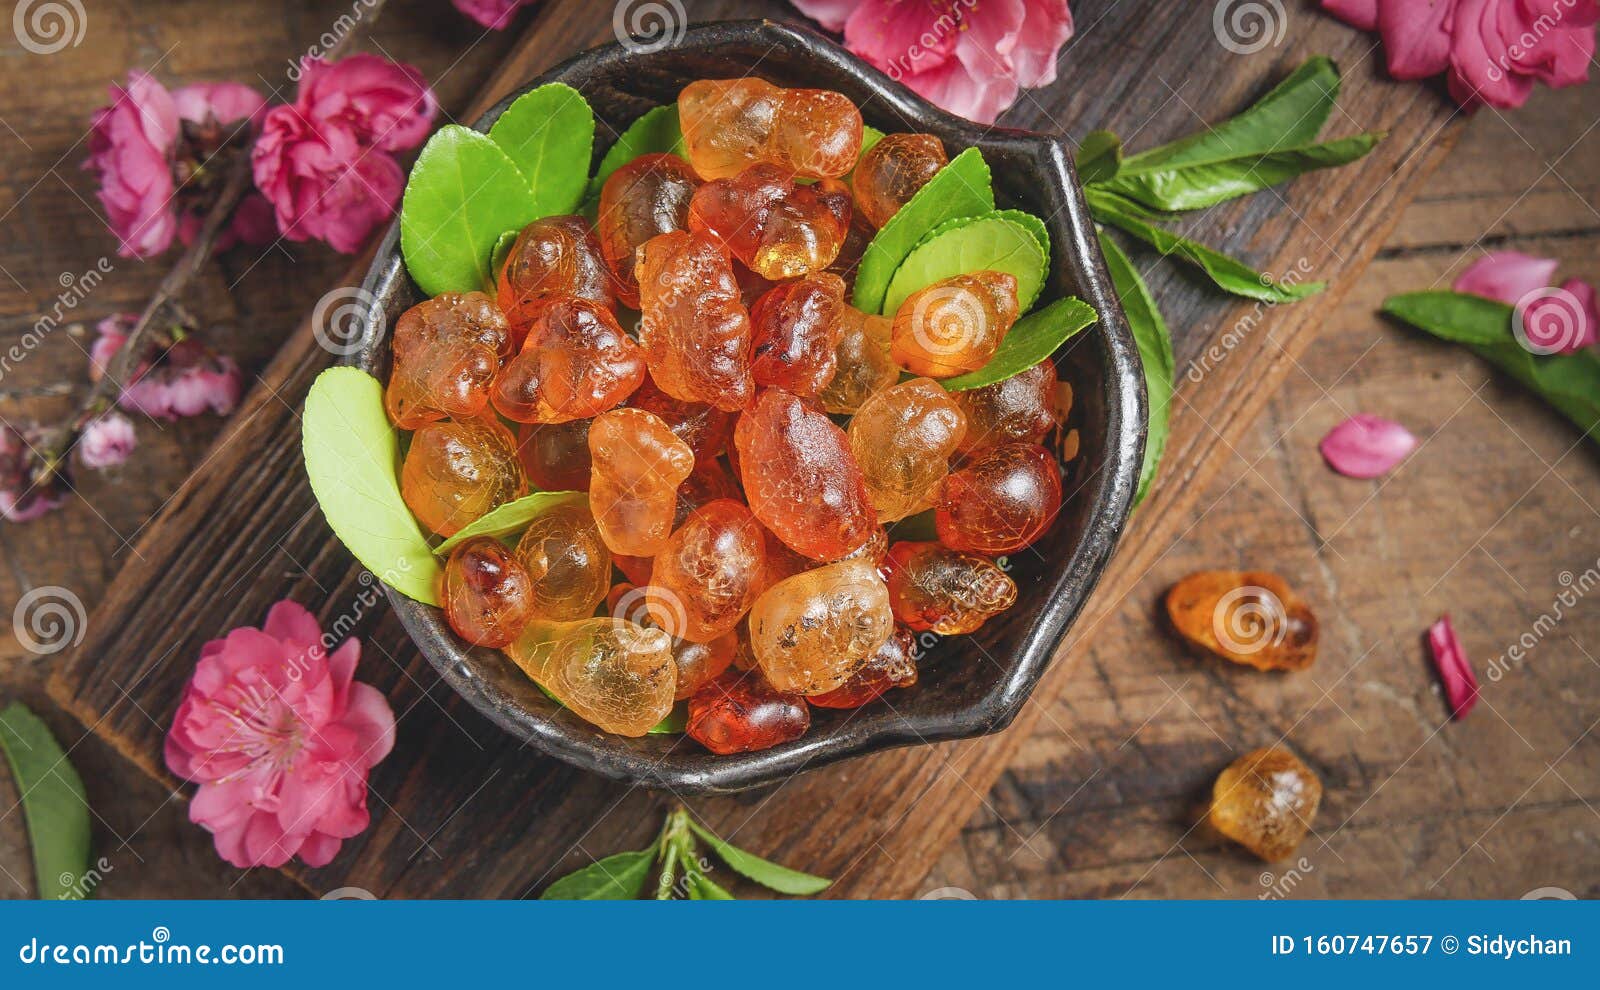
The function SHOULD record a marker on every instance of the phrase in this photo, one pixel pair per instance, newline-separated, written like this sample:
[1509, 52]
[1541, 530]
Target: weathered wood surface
[459, 810]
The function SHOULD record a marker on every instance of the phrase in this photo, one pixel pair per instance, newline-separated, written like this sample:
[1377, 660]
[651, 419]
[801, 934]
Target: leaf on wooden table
[765, 872]
[1198, 185]
[1099, 157]
[53, 803]
[615, 878]
[1034, 338]
[549, 133]
[1154, 341]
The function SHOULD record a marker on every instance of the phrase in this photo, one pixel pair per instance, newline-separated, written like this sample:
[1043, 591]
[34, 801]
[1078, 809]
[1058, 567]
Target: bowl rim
[1110, 492]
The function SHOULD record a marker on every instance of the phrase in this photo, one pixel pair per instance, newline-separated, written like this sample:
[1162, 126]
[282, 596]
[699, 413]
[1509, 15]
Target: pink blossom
[130, 146]
[1493, 51]
[970, 57]
[106, 442]
[22, 497]
[280, 738]
[386, 105]
[1455, 670]
[171, 380]
[1506, 275]
[321, 182]
[1547, 319]
[495, 15]
[1366, 446]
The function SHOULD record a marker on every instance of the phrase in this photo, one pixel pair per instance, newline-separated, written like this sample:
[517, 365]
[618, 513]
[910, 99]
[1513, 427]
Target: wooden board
[459, 809]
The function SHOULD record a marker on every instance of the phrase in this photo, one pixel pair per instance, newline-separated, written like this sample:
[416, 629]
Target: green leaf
[1034, 338]
[53, 804]
[656, 131]
[1292, 114]
[676, 721]
[707, 889]
[549, 133]
[1099, 157]
[1001, 241]
[463, 193]
[1155, 352]
[497, 257]
[768, 874]
[869, 136]
[1230, 274]
[1199, 185]
[1569, 383]
[616, 878]
[513, 517]
[960, 189]
[352, 458]
[667, 876]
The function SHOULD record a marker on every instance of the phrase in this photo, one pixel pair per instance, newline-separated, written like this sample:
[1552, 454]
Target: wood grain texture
[460, 810]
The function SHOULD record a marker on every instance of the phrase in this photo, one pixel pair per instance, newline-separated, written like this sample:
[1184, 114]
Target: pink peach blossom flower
[280, 738]
[107, 441]
[22, 497]
[495, 15]
[387, 105]
[1547, 319]
[971, 57]
[172, 380]
[1366, 446]
[1455, 670]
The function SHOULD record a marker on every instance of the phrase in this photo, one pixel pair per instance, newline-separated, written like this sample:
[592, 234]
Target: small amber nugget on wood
[1247, 617]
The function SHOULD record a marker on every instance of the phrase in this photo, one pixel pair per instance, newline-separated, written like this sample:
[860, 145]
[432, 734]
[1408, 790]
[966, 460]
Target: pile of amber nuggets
[705, 449]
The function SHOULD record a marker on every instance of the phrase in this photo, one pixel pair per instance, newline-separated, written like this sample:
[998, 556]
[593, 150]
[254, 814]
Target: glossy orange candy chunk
[796, 328]
[701, 663]
[694, 327]
[576, 362]
[555, 456]
[567, 562]
[800, 478]
[648, 196]
[487, 594]
[1247, 617]
[707, 576]
[810, 633]
[892, 170]
[1265, 801]
[706, 429]
[903, 438]
[457, 470]
[863, 366]
[446, 351]
[1001, 501]
[638, 465]
[774, 226]
[893, 666]
[730, 124]
[740, 712]
[932, 587]
[1021, 409]
[552, 258]
[613, 673]
[954, 325]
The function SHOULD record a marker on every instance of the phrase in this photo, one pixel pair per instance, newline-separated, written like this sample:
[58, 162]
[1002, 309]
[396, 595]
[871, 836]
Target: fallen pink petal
[1455, 671]
[1506, 275]
[1366, 446]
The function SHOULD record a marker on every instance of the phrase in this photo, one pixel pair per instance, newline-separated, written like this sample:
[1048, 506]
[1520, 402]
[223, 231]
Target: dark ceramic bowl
[969, 685]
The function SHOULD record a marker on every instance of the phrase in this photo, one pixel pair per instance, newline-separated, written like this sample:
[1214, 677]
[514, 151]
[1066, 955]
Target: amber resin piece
[706, 429]
[694, 327]
[1265, 801]
[783, 562]
[811, 633]
[795, 334]
[1001, 501]
[893, 666]
[874, 550]
[740, 712]
[708, 575]
[954, 325]
[552, 258]
[778, 228]
[648, 196]
[1248, 617]
[730, 124]
[892, 170]
[555, 456]
[616, 674]
[903, 437]
[446, 351]
[487, 594]
[1021, 409]
[576, 362]
[457, 470]
[932, 587]
[801, 480]
[567, 560]
[638, 465]
[701, 663]
[863, 366]
[708, 482]
[635, 569]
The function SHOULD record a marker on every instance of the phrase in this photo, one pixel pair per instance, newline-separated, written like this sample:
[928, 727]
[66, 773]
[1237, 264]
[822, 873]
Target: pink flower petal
[1506, 275]
[1046, 26]
[1455, 671]
[1366, 446]
[831, 14]
[1361, 14]
[1416, 36]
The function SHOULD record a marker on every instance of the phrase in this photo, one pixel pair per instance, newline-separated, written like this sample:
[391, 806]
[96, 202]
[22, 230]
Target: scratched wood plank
[461, 810]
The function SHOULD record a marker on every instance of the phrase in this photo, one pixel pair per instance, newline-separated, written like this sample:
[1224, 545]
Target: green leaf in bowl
[960, 189]
[463, 193]
[549, 133]
[352, 458]
[502, 521]
[1033, 338]
[657, 131]
[1004, 241]
[53, 803]
[497, 257]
